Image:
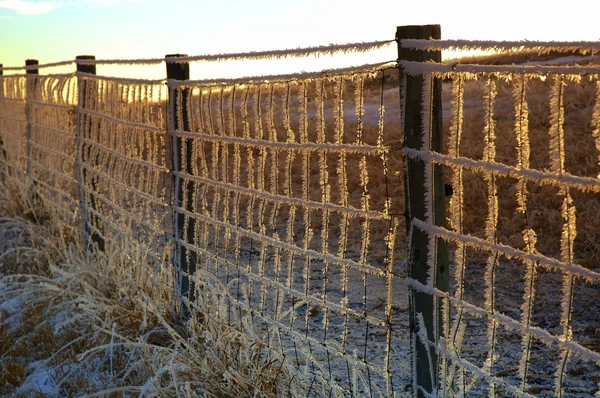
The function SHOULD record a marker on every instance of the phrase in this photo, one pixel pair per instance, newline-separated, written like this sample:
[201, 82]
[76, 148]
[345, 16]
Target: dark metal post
[2, 150]
[30, 88]
[92, 227]
[411, 90]
[185, 259]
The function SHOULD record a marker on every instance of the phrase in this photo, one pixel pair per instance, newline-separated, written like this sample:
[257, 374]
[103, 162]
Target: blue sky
[54, 30]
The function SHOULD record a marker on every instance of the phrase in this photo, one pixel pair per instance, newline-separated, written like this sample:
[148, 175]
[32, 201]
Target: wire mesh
[294, 189]
[294, 195]
[13, 124]
[522, 161]
[125, 162]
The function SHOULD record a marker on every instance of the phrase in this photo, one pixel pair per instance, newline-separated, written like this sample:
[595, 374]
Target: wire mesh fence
[282, 198]
[14, 124]
[291, 211]
[521, 156]
[124, 158]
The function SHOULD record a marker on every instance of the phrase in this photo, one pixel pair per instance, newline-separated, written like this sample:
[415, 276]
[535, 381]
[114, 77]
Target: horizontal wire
[268, 54]
[58, 173]
[284, 78]
[585, 184]
[13, 99]
[38, 66]
[120, 211]
[126, 158]
[119, 121]
[331, 346]
[278, 54]
[65, 133]
[286, 246]
[123, 80]
[509, 251]
[281, 287]
[542, 46]
[125, 61]
[65, 156]
[415, 68]
[13, 119]
[541, 334]
[49, 104]
[373, 215]
[290, 146]
[116, 183]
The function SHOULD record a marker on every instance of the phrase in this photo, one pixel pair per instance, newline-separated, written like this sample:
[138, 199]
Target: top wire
[269, 54]
[543, 47]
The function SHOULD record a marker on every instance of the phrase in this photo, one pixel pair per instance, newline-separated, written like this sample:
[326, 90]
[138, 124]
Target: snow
[10, 312]
[42, 380]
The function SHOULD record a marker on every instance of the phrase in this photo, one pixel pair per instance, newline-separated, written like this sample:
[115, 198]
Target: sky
[56, 30]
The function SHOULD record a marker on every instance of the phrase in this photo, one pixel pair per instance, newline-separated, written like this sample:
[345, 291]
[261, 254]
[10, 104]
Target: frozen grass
[104, 324]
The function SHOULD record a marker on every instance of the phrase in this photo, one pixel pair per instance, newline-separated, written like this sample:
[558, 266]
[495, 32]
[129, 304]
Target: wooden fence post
[181, 152]
[30, 87]
[91, 223]
[411, 89]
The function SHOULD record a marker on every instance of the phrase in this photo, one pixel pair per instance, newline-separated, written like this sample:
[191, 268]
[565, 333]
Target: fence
[284, 195]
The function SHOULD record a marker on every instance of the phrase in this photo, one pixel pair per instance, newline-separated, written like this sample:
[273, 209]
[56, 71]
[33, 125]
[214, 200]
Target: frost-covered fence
[522, 156]
[281, 198]
[13, 124]
[291, 208]
[282, 192]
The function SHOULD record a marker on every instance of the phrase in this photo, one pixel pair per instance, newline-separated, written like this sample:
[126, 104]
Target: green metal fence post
[30, 87]
[2, 150]
[92, 228]
[425, 377]
[185, 259]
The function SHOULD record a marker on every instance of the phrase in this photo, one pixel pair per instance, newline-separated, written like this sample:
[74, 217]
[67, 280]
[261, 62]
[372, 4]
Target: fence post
[30, 86]
[425, 377]
[91, 222]
[181, 152]
[2, 150]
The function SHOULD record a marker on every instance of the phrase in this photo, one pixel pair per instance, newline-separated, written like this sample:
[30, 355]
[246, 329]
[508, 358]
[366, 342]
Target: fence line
[285, 195]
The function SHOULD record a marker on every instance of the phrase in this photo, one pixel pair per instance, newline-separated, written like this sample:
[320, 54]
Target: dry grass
[104, 324]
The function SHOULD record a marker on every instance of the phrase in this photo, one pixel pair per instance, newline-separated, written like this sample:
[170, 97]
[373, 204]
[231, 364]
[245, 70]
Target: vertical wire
[529, 236]
[216, 124]
[209, 170]
[342, 180]
[456, 213]
[365, 204]
[390, 246]
[238, 183]
[489, 155]
[596, 124]
[325, 197]
[260, 179]
[569, 230]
